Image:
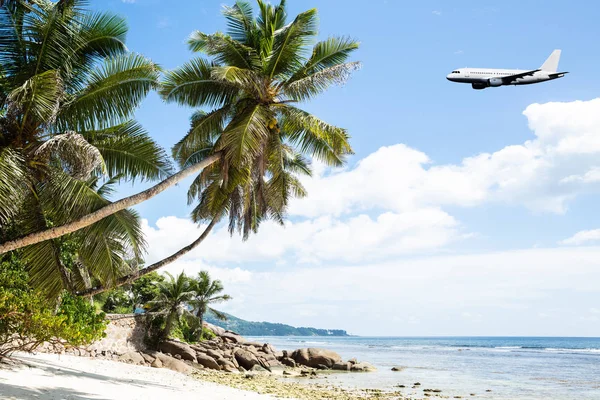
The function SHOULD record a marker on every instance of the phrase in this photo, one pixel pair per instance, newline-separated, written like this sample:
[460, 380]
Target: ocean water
[489, 367]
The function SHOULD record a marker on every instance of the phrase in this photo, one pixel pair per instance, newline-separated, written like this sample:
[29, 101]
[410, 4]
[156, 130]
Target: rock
[226, 365]
[353, 361]
[322, 367]
[267, 348]
[173, 364]
[246, 359]
[233, 337]
[177, 356]
[312, 357]
[341, 366]
[288, 361]
[364, 367]
[148, 358]
[132, 357]
[258, 368]
[178, 348]
[214, 353]
[286, 373]
[417, 384]
[397, 369]
[207, 361]
[156, 363]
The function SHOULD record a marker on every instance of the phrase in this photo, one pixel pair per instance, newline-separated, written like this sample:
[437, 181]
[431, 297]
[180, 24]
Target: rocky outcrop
[177, 348]
[313, 357]
[228, 352]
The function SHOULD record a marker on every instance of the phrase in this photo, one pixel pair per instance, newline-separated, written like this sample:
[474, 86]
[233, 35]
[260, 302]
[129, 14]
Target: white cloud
[128, 1]
[436, 12]
[582, 237]
[540, 174]
[355, 239]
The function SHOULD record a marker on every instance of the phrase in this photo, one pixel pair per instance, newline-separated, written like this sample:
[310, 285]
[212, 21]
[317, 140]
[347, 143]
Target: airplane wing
[512, 78]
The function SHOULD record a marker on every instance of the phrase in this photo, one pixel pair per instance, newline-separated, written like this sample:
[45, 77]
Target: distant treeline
[249, 328]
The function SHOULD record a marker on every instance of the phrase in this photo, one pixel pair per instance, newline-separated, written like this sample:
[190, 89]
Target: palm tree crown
[172, 300]
[206, 292]
[258, 70]
[68, 90]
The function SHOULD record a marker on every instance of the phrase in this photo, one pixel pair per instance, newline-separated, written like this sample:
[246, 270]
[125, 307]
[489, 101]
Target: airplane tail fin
[551, 64]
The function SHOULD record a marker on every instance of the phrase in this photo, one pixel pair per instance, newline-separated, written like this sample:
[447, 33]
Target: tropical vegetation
[248, 131]
[68, 90]
[27, 319]
[205, 293]
[182, 302]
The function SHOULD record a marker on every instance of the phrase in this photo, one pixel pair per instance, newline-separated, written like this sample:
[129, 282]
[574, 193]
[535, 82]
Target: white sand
[78, 378]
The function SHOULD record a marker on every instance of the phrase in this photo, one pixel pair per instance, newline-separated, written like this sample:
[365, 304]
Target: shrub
[28, 319]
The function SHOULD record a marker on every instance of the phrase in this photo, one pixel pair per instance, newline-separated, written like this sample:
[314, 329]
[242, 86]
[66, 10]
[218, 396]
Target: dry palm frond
[77, 156]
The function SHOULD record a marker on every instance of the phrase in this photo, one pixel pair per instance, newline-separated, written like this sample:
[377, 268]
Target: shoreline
[54, 376]
[48, 376]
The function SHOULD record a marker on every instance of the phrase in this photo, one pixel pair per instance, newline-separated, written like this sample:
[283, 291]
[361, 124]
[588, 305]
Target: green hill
[249, 328]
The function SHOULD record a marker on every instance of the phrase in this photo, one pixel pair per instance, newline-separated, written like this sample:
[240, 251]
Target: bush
[118, 301]
[28, 319]
[186, 331]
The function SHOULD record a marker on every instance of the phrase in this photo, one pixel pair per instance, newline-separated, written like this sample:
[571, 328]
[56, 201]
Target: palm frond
[241, 140]
[38, 97]
[220, 315]
[240, 23]
[325, 142]
[74, 154]
[129, 151]
[193, 85]
[13, 184]
[205, 128]
[326, 54]
[224, 49]
[111, 93]
[289, 43]
[316, 83]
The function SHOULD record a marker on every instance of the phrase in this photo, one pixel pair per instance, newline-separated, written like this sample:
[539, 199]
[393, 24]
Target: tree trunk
[107, 210]
[201, 328]
[169, 324]
[145, 271]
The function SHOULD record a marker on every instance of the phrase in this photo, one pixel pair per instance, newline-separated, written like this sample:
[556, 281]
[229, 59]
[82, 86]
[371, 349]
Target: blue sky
[453, 181]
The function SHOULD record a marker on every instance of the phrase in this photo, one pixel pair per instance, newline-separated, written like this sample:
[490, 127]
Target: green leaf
[129, 151]
[289, 45]
[111, 93]
[193, 85]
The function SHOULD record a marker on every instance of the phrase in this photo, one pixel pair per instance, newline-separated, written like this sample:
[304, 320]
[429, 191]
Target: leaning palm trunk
[151, 268]
[105, 211]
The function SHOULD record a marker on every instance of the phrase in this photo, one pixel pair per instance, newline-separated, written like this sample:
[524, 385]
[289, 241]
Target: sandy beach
[54, 377]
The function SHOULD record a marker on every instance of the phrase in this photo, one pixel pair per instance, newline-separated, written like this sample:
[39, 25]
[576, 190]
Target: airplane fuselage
[481, 78]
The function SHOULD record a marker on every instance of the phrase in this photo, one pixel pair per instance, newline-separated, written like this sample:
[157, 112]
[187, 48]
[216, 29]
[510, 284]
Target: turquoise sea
[489, 367]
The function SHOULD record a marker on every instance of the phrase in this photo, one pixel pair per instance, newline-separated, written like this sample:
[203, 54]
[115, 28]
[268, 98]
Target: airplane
[481, 78]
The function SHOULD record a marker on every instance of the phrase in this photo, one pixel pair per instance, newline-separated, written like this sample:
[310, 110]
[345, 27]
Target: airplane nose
[448, 77]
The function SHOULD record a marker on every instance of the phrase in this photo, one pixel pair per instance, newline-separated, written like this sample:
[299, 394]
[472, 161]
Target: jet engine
[478, 86]
[494, 82]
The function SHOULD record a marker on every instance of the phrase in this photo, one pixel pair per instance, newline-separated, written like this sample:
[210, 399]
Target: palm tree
[172, 300]
[68, 90]
[206, 292]
[259, 70]
[251, 143]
